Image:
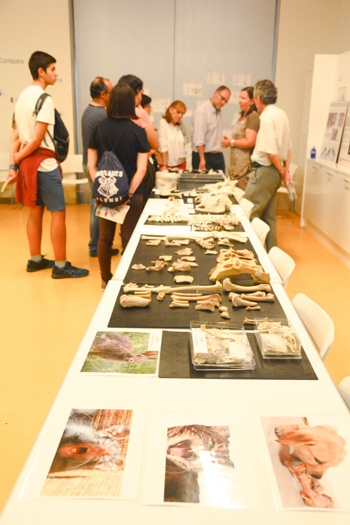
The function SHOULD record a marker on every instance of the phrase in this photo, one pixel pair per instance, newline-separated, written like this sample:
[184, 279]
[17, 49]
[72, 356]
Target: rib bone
[228, 286]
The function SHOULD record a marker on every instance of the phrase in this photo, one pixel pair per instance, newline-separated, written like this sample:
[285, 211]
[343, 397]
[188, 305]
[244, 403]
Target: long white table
[248, 399]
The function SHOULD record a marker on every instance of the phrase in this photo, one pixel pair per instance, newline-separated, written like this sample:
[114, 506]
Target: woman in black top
[132, 151]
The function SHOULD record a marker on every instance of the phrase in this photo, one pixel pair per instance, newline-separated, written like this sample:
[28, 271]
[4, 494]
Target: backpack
[60, 137]
[111, 184]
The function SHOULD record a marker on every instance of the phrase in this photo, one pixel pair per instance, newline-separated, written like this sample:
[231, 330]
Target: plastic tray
[267, 341]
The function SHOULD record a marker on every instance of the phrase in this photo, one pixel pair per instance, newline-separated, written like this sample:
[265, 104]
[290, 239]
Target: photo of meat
[91, 455]
[121, 353]
[197, 461]
[302, 454]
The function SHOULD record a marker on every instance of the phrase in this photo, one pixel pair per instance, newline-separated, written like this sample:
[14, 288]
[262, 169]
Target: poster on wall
[334, 131]
[344, 153]
[308, 461]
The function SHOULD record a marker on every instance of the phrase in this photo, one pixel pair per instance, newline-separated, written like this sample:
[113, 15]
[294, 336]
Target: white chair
[246, 206]
[282, 189]
[4, 168]
[261, 229]
[344, 389]
[317, 322]
[73, 166]
[238, 194]
[283, 263]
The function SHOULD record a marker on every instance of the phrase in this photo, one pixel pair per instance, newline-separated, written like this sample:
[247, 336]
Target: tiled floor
[44, 320]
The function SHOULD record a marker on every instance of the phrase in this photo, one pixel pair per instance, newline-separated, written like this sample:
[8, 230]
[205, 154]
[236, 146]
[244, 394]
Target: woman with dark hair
[129, 142]
[243, 138]
[172, 137]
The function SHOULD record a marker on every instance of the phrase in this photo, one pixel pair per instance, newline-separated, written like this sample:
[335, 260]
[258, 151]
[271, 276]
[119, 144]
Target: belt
[256, 165]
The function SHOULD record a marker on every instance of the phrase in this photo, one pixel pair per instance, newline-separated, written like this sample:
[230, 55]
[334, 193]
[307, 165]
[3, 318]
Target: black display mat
[175, 363]
[146, 254]
[238, 228]
[158, 314]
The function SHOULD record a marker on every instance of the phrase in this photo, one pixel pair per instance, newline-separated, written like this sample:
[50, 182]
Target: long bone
[214, 288]
[238, 301]
[228, 286]
[270, 297]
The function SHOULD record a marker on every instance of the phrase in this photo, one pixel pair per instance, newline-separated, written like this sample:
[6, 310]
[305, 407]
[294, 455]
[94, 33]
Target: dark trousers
[213, 161]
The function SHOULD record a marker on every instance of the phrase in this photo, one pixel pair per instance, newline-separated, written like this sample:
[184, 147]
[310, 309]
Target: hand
[226, 142]
[12, 177]
[287, 178]
[201, 165]
[162, 168]
[16, 156]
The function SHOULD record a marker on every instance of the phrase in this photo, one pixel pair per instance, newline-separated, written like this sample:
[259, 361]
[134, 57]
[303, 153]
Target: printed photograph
[90, 458]
[198, 462]
[123, 353]
[307, 461]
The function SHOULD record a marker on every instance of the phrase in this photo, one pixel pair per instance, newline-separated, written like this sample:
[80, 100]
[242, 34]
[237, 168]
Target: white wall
[28, 26]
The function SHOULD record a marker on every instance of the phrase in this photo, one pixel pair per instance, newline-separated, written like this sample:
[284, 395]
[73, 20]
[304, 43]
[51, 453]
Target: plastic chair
[246, 206]
[283, 263]
[73, 165]
[238, 194]
[261, 229]
[344, 389]
[317, 322]
[292, 169]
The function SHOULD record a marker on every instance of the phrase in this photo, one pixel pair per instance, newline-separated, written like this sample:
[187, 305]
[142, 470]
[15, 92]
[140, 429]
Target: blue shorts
[50, 190]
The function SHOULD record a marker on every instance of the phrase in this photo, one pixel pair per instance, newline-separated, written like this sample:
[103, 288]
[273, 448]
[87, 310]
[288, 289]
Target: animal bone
[215, 288]
[185, 251]
[180, 266]
[228, 254]
[236, 266]
[225, 242]
[132, 287]
[225, 314]
[238, 301]
[257, 307]
[223, 309]
[183, 278]
[204, 305]
[253, 321]
[161, 296]
[153, 242]
[165, 257]
[214, 204]
[176, 242]
[138, 267]
[130, 301]
[143, 293]
[189, 259]
[228, 286]
[211, 252]
[270, 297]
[179, 304]
[158, 265]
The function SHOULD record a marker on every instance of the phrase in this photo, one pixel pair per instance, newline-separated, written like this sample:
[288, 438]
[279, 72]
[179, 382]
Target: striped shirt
[91, 116]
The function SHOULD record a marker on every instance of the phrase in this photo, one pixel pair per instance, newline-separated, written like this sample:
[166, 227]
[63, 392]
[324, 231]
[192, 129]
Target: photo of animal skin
[90, 457]
[121, 353]
[197, 460]
[301, 454]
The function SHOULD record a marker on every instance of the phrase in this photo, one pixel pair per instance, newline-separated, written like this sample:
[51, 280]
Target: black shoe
[33, 266]
[115, 251]
[68, 271]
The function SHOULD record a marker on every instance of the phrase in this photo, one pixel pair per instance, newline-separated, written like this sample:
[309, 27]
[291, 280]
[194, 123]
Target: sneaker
[33, 266]
[115, 251]
[68, 271]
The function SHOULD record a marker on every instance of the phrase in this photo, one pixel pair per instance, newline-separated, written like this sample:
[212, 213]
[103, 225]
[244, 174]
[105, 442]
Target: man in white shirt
[270, 159]
[32, 154]
[207, 132]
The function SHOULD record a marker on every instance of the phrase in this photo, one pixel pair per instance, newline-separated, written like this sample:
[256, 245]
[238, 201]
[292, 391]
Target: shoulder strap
[116, 144]
[39, 103]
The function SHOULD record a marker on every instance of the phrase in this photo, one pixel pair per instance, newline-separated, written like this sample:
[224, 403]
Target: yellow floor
[43, 320]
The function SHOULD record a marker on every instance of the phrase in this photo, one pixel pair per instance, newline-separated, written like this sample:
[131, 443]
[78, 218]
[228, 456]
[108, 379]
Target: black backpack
[111, 184]
[60, 137]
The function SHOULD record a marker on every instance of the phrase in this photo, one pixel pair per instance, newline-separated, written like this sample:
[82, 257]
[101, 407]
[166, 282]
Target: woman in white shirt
[172, 137]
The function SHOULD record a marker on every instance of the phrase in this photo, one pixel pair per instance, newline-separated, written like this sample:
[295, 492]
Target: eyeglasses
[179, 112]
[223, 98]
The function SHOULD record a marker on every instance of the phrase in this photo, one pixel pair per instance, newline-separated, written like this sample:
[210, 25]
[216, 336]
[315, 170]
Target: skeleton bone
[228, 254]
[165, 257]
[211, 252]
[187, 258]
[205, 305]
[143, 293]
[215, 288]
[237, 266]
[214, 203]
[132, 287]
[161, 296]
[179, 304]
[153, 242]
[270, 297]
[158, 265]
[225, 314]
[130, 301]
[185, 251]
[257, 307]
[228, 286]
[180, 266]
[183, 278]
[138, 267]
[238, 301]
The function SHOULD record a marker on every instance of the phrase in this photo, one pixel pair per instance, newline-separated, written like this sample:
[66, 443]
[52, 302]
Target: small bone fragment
[211, 252]
[253, 321]
[257, 307]
[238, 301]
[138, 267]
[165, 257]
[228, 286]
[183, 278]
[185, 251]
[130, 301]
[225, 314]
[161, 296]
[270, 297]
[176, 242]
[215, 288]
[205, 306]
[179, 304]
[158, 265]
[181, 266]
[153, 242]
[188, 258]
[223, 309]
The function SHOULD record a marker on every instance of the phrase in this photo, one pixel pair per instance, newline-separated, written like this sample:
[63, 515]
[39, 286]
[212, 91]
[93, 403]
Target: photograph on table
[308, 460]
[92, 456]
[124, 352]
[198, 459]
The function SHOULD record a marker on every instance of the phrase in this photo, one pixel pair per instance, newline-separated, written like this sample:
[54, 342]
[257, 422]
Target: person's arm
[199, 126]
[163, 144]
[15, 144]
[141, 167]
[201, 157]
[164, 155]
[282, 170]
[92, 162]
[287, 176]
[34, 143]
[152, 137]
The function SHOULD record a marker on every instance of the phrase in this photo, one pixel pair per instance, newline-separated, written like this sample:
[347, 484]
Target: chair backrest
[73, 164]
[292, 169]
[344, 389]
[317, 322]
[246, 206]
[261, 229]
[238, 193]
[4, 165]
[283, 263]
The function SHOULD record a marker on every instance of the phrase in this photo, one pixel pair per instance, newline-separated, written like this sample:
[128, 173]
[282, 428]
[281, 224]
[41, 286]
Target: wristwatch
[232, 143]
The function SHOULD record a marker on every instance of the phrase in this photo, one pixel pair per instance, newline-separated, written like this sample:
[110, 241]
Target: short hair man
[270, 159]
[146, 103]
[39, 177]
[207, 132]
[94, 113]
